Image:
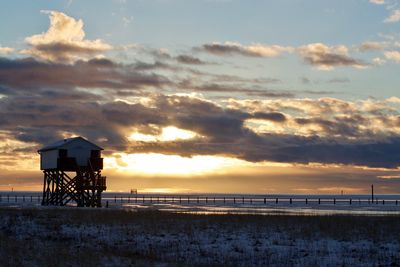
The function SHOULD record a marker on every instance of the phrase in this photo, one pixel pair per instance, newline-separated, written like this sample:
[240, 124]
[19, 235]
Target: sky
[224, 96]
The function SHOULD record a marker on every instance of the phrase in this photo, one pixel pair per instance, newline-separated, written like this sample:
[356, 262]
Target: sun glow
[169, 133]
[160, 164]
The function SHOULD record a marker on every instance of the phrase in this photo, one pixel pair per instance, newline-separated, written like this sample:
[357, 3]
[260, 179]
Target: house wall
[79, 149]
[48, 159]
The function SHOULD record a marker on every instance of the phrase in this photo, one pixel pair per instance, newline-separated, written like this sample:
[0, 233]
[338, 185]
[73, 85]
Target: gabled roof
[64, 142]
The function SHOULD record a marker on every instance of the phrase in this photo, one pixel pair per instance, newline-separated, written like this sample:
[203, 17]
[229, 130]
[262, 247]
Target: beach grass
[70, 236]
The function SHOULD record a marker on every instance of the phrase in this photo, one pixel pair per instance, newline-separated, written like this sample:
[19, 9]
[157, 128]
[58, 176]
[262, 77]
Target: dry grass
[106, 237]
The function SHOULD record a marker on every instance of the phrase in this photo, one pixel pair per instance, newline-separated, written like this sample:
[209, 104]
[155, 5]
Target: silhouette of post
[372, 192]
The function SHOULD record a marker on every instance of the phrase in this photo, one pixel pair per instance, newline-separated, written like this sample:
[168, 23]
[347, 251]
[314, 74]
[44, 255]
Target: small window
[62, 153]
[95, 154]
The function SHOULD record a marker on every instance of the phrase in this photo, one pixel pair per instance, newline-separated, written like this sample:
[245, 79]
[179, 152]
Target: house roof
[62, 143]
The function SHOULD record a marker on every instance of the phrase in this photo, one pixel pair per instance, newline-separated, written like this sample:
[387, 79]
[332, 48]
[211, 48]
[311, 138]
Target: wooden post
[290, 200]
[350, 201]
[206, 199]
[251, 201]
[276, 201]
[234, 200]
[383, 202]
[214, 200]
[265, 200]
[115, 199]
[188, 199]
[334, 201]
[372, 192]
[306, 201]
[319, 201]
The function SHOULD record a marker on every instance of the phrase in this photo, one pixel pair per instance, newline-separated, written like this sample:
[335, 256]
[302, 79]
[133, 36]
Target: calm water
[234, 203]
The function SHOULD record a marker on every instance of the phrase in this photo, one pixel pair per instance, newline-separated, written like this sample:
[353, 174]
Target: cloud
[271, 116]
[371, 46]
[328, 57]
[190, 60]
[317, 54]
[255, 50]
[377, 61]
[377, 2]
[64, 41]
[218, 87]
[393, 55]
[6, 50]
[326, 131]
[339, 80]
[33, 76]
[394, 16]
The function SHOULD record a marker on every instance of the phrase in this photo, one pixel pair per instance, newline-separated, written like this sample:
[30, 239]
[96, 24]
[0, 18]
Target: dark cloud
[326, 57]
[43, 101]
[272, 116]
[332, 60]
[190, 60]
[61, 52]
[224, 49]
[349, 128]
[256, 50]
[232, 88]
[27, 74]
[221, 130]
[312, 92]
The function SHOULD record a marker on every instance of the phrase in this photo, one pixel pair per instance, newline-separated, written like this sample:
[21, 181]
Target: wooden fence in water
[203, 200]
[215, 200]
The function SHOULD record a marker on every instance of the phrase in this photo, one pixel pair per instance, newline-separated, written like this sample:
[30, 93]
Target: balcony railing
[69, 164]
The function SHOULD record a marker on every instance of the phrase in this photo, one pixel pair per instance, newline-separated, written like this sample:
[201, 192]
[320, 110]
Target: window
[62, 153]
[95, 154]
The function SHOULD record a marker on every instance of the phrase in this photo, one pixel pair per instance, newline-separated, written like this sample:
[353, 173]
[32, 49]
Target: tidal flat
[69, 236]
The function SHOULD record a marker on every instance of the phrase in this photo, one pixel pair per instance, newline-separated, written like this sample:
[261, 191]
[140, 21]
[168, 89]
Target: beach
[68, 236]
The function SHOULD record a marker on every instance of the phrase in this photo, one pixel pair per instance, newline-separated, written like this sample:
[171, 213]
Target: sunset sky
[235, 96]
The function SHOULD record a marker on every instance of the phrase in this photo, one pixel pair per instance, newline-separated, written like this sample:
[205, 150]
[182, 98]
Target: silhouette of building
[72, 173]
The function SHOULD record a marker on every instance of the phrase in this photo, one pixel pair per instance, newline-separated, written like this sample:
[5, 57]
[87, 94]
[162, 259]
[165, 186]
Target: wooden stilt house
[72, 173]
